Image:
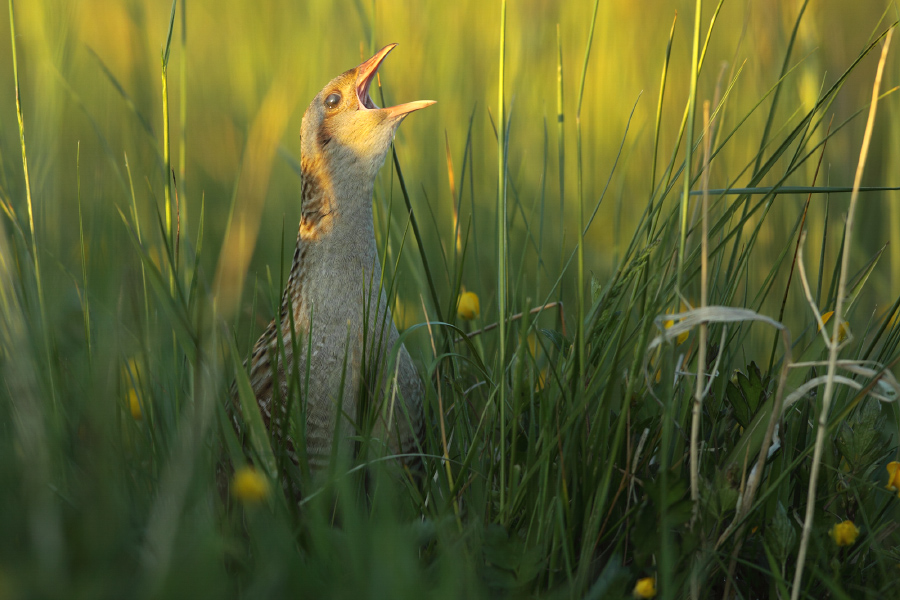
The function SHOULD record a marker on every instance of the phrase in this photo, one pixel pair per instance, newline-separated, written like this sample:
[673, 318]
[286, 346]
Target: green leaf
[596, 289]
[746, 394]
[558, 340]
[738, 402]
[781, 535]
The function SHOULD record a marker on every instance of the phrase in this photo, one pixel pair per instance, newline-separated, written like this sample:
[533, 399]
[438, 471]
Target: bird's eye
[333, 100]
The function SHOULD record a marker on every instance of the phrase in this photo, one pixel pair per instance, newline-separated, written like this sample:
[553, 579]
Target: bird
[343, 325]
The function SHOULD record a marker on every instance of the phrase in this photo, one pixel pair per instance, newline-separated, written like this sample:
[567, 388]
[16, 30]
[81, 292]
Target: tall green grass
[663, 401]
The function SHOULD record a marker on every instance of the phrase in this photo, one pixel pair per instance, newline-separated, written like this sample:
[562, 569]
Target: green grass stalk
[689, 148]
[658, 121]
[137, 229]
[167, 159]
[561, 143]
[502, 254]
[769, 119]
[85, 301]
[580, 291]
[182, 106]
[42, 306]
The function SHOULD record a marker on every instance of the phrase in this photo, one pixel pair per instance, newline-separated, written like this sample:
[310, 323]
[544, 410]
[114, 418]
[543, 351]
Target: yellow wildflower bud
[541, 379]
[842, 332]
[893, 483]
[682, 337]
[135, 405]
[468, 307]
[844, 533]
[645, 588]
[249, 485]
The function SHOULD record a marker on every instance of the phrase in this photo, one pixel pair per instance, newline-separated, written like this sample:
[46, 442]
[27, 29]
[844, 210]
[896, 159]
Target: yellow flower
[249, 485]
[468, 307]
[842, 332]
[844, 533]
[682, 337]
[893, 483]
[134, 404]
[645, 588]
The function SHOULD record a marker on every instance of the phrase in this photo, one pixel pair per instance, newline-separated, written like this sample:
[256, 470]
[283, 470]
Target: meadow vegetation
[643, 260]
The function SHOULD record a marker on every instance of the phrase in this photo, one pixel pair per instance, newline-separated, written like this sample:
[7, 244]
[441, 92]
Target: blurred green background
[245, 71]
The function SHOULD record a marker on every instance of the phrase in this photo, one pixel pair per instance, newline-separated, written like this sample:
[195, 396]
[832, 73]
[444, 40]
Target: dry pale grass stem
[704, 331]
[834, 345]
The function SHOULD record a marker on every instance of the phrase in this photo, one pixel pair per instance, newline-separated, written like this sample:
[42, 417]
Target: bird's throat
[335, 205]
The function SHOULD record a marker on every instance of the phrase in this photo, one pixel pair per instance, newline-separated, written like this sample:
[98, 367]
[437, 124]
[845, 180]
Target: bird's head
[344, 131]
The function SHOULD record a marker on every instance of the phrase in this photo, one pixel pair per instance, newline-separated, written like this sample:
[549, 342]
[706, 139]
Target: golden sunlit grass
[600, 452]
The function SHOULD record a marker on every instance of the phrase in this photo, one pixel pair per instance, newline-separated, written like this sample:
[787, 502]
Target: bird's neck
[336, 237]
[334, 204]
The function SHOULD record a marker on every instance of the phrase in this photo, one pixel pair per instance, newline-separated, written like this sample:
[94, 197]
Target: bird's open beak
[365, 73]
